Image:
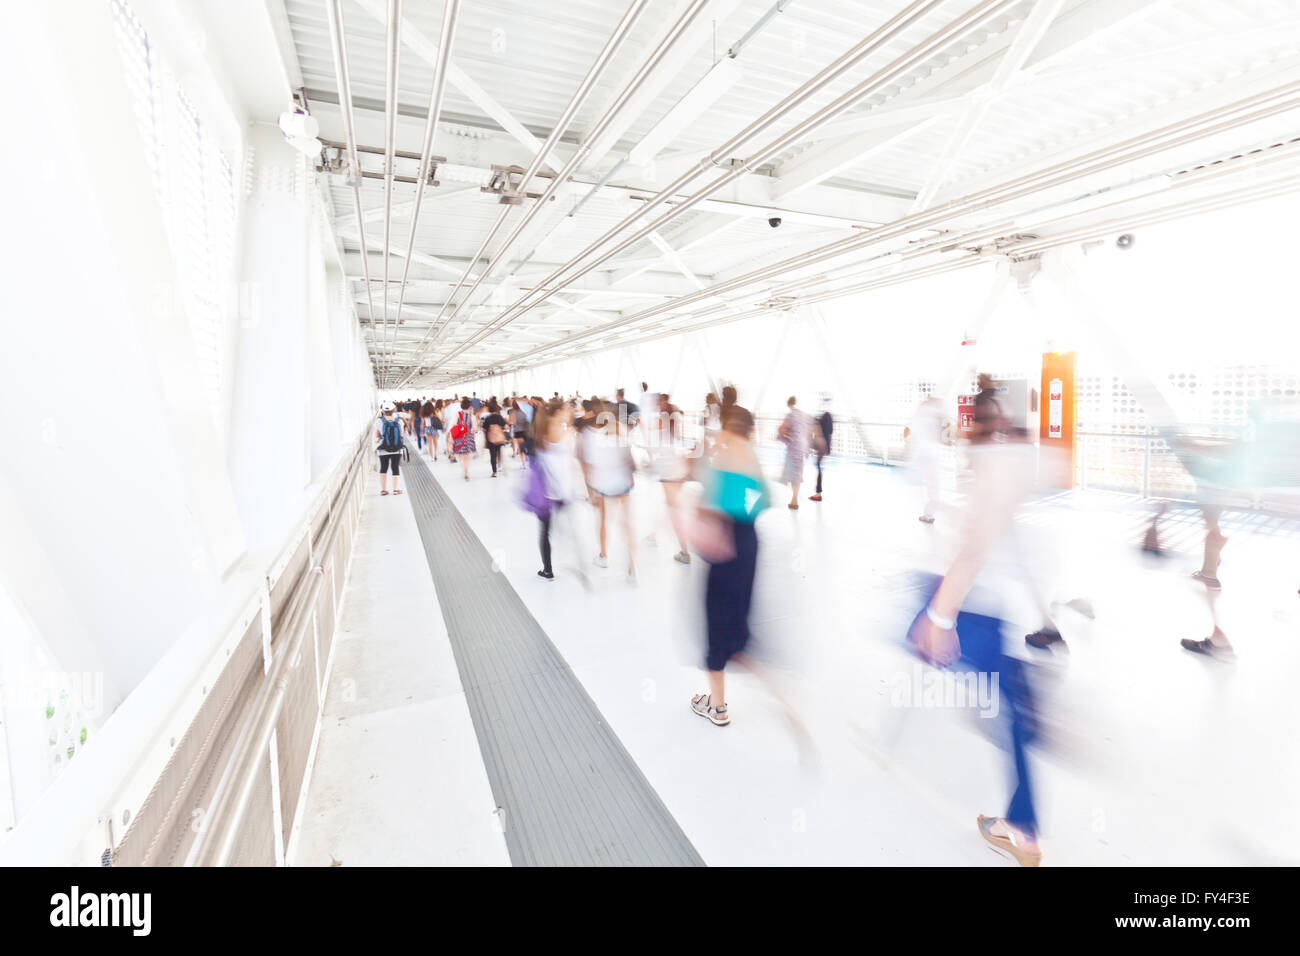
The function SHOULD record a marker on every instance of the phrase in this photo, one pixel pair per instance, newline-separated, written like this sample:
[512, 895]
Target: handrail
[130, 752]
[229, 804]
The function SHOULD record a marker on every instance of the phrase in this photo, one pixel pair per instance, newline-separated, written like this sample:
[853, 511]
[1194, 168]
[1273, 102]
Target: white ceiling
[1040, 86]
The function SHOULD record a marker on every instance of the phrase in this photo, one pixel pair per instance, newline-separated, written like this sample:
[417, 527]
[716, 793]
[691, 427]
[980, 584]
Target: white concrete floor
[398, 778]
[1160, 756]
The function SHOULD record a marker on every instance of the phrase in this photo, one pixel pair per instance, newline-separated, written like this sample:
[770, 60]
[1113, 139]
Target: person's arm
[991, 508]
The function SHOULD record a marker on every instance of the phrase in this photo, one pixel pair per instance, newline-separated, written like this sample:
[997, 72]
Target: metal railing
[170, 770]
[229, 805]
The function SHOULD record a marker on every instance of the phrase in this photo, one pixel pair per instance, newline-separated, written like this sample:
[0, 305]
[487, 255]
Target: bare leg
[383, 481]
[600, 506]
[794, 494]
[802, 737]
[1214, 542]
[625, 504]
[1151, 543]
[718, 688]
[464, 464]
[672, 494]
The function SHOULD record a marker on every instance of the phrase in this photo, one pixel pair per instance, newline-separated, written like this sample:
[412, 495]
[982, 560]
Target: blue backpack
[391, 439]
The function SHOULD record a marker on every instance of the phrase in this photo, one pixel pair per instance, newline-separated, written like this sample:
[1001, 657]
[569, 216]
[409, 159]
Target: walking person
[963, 620]
[925, 441]
[735, 494]
[426, 423]
[435, 428]
[822, 441]
[388, 430]
[518, 428]
[668, 458]
[712, 421]
[608, 466]
[551, 485]
[794, 433]
[494, 433]
[462, 436]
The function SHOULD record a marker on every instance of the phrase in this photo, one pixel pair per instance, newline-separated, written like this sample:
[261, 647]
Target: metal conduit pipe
[1279, 156]
[1283, 181]
[1254, 108]
[655, 58]
[215, 842]
[778, 7]
[349, 135]
[733, 52]
[431, 335]
[1250, 193]
[392, 58]
[449, 13]
[973, 19]
[829, 74]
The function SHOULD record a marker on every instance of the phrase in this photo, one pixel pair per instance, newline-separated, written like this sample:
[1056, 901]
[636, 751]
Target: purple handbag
[534, 497]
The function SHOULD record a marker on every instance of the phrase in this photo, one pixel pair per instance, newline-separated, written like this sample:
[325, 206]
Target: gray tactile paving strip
[569, 793]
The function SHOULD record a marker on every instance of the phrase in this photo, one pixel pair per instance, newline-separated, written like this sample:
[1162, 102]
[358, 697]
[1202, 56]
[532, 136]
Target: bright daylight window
[195, 186]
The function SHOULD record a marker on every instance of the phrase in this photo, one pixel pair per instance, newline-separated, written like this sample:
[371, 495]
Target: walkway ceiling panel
[958, 123]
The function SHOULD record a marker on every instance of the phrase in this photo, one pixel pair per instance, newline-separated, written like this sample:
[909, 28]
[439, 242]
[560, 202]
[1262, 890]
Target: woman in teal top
[734, 495]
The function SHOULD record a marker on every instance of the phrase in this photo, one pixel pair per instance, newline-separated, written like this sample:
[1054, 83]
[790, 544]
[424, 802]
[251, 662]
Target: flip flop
[1007, 844]
[383, 492]
[397, 492]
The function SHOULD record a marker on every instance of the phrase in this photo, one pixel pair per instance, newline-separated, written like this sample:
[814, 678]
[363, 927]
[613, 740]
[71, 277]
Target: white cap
[387, 407]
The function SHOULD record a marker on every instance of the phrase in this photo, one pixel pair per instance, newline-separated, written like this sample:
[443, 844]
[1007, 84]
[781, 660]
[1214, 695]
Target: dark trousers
[819, 473]
[727, 598]
[981, 651]
[494, 456]
[544, 537]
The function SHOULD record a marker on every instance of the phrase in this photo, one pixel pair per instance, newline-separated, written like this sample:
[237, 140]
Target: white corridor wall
[130, 510]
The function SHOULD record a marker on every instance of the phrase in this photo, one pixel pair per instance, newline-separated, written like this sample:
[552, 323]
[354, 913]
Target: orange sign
[1056, 420]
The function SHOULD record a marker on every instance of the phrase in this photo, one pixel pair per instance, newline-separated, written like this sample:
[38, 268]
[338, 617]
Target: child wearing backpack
[388, 430]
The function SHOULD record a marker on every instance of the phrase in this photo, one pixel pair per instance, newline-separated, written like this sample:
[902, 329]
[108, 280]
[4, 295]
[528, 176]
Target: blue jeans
[981, 651]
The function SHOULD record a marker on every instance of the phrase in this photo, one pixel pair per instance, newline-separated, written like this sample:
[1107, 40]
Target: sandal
[1007, 844]
[701, 705]
[1211, 584]
[1220, 652]
[383, 492]
[397, 492]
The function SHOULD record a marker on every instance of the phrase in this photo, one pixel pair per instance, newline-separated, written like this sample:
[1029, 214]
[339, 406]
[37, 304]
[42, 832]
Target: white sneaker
[602, 561]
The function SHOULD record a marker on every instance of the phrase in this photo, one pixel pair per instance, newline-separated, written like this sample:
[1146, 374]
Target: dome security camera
[774, 221]
[1125, 241]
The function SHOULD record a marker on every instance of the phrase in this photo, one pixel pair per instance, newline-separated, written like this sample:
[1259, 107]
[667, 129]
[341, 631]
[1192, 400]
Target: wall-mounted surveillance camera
[774, 221]
[1125, 241]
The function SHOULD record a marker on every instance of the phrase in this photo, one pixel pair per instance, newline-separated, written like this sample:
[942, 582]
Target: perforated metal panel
[255, 845]
[284, 585]
[296, 727]
[164, 827]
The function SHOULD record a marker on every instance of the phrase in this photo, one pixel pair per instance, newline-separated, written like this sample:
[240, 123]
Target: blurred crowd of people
[578, 453]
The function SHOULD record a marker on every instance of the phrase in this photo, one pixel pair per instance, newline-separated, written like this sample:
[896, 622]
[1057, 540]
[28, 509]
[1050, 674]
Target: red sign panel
[965, 415]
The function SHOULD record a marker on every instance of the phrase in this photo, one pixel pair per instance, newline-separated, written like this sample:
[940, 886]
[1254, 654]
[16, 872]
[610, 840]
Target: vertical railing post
[1146, 467]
